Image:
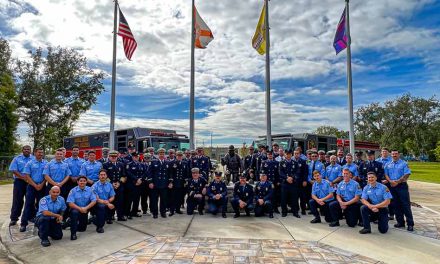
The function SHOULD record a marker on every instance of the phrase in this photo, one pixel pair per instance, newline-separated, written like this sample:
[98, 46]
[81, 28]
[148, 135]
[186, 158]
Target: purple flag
[341, 39]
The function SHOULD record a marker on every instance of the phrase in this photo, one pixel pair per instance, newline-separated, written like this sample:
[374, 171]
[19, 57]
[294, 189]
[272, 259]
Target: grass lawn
[425, 171]
[4, 182]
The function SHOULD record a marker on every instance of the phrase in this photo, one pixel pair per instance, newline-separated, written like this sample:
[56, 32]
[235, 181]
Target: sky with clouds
[395, 50]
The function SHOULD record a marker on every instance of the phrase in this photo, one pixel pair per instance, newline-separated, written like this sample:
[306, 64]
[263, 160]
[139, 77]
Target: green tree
[409, 124]
[436, 151]
[8, 102]
[54, 90]
[331, 131]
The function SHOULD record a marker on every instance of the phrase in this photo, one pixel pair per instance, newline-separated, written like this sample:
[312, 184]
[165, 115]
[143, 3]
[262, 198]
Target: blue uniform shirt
[376, 194]
[396, 169]
[353, 168]
[57, 171]
[103, 190]
[348, 190]
[82, 197]
[56, 207]
[263, 190]
[19, 162]
[384, 161]
[316, 165]
[91, 170]
[332, 172]
[322, 189]
[34, 169]
[215, 188]
[74, 165]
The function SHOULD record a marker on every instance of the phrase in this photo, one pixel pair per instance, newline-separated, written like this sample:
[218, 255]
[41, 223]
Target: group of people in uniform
[124, 184]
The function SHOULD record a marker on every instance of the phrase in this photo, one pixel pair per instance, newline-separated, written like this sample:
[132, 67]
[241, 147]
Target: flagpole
[113, 93]
[191, 96]
[349, 77]
[268, 112]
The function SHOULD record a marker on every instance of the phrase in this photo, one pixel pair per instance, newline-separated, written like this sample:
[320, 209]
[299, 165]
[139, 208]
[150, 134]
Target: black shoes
[109, 222]
[163, 215]
[200, 212]
[129, 217]
[155, 216]
[271, 215]
[275, 210]
[316, 220]
[100, 230]
[179, 212]
[334, 224]
[224, 215]
[297, 215]
[283, 214]
[236, 215]
[410, 228]
[73, 237]
[45, 243]
[170, 214]
[22, 228]
[364, 231]
[399, 225]
[123, 218]
[248, 213]
[12, 223]
[391, 217]
[303, 212]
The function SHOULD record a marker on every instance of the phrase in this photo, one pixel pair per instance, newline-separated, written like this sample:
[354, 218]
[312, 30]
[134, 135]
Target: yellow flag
[259, 39]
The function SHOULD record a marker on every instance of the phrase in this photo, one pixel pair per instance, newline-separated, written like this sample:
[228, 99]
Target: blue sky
[395, 50]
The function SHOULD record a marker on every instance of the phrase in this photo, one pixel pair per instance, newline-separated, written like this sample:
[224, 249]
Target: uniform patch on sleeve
[43, 201]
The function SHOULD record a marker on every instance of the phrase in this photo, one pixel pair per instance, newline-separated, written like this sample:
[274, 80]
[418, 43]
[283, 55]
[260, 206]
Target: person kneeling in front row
[243, 197]
[376, 197]
[263, 196]
[81, 199]
[322, 195]
[50, 215]
[348, 195]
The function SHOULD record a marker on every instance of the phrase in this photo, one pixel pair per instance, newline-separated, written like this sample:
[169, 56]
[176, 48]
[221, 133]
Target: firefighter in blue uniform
[19, 192]
[117, 177]
[105, 195]
[202, 162]
[348, 196]
[375, 199]
[91, 168]
[322, 195]
[250, 165]
[314, 164]
[159, 182]
[179, 172]
[36, 188]
[384, 159]
[271, 168]
[136, 175]
[243, 197]
[50, 216]
[397, 173]
[146, 161]
[56, 172]
[81, 200]
[263, 196]
[370, 165]
[351, 166]
[289, 184]
[75, 163]
[217, 193]
[261, 156]
[196, 193]
[333, 172]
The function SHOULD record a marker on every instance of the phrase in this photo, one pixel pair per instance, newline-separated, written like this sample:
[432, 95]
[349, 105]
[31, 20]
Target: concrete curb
[6, 238]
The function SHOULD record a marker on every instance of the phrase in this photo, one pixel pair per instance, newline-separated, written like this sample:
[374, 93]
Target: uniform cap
[218, 174]
[171, 151]
[231, 147]
[243, 175]
[135, 154]
[161, 150]
[371, 152]
[275, 144]
[179, 153]
[269, 152]
[321, 152]
[113, 153]
[358, 153]
[147, 155]
[150, 148]
[122, 150]
[193, 170]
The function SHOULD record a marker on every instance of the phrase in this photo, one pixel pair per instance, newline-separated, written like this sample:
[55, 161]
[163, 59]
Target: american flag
[127, 37]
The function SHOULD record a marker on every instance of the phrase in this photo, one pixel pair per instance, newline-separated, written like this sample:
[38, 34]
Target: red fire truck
[140, 138]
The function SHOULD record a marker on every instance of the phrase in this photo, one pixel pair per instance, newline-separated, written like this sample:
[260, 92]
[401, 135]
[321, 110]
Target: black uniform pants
[118, 202]
[382, 216]
[18, 194]
[177, 195]
[48, 227]
[193, 202]
[78, 221]
[289, 196]
[352, 213]
[402, 204]
[215, 205]
[134, 198]
[155, 195]
[31, 205]
[305, 196]
[324, 209]
[144, 197]
[265, 208]
[102, 213]
[236, 206]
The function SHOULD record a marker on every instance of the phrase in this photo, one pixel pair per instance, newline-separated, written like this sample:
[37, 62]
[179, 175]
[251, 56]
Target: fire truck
[138, 137]
[313, 141]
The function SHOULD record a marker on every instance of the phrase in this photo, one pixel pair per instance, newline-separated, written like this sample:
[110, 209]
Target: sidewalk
[206, 239]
